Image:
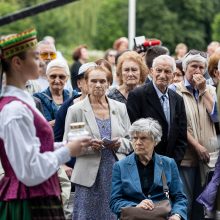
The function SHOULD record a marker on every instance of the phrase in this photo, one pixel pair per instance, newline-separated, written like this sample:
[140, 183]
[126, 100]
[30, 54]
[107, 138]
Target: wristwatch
[176, 214]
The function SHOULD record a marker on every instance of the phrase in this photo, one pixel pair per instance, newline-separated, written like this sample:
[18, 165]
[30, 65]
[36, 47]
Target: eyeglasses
[194, 52]
[48, 56]
[54, 76]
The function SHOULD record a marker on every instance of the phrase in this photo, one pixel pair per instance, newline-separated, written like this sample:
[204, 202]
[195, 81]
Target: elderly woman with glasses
[137, 179]
[53, 97]
[107, 121]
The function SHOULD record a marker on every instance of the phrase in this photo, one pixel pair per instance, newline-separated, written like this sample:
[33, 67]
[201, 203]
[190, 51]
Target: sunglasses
[54, 76]
[194, 52]
[48, 55]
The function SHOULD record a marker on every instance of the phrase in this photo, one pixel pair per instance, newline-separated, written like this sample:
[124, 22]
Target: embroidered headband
[17, 43]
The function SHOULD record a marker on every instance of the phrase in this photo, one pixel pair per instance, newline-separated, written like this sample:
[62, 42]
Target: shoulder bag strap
[165, 187]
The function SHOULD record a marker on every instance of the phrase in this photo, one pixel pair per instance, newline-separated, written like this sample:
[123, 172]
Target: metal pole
[30, 11]
[131, 23]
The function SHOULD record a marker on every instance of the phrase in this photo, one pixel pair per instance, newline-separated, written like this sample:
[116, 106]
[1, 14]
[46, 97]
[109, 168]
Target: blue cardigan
[126, 186]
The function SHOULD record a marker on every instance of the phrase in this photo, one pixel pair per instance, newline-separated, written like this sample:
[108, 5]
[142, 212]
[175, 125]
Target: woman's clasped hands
[113, 144]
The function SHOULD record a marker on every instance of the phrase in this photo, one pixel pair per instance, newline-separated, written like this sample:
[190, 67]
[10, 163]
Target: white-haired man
[157, 101]
[201, 111]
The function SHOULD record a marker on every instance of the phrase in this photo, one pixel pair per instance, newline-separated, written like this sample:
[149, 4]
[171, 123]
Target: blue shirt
[164, 100]
[214, 114]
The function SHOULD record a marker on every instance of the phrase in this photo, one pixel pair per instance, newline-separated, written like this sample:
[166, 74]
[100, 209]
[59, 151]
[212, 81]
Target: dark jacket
[144, 102]
[49, 106]
[60, 124]
[60, 119]
[208, 197]
[74, 72]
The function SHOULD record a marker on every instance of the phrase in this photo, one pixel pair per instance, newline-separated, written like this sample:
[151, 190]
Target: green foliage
[98, 23]
[18, 26]
[112, 23]
[157, 21]
[216, 27]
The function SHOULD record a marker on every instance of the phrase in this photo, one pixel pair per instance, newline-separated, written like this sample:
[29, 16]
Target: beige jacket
[87, 165]
[199, 125]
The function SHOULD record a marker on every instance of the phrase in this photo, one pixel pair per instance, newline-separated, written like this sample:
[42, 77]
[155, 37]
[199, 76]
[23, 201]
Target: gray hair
[46, 43]
[60, 63]
[166, 58]
[189, 58]
[149, 126]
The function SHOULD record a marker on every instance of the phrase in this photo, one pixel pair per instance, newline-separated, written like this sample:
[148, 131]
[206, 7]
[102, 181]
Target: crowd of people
[151, 120]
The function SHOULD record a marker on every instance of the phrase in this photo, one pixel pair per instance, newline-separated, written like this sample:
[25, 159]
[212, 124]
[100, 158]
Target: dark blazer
[127, 191]
[60, 124]
[74, 69]
[60, 119]
[144, 102]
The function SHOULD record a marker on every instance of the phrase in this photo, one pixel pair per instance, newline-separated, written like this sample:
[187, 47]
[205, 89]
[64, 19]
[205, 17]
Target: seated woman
[104, 118]
[136, 180]
[54, 96]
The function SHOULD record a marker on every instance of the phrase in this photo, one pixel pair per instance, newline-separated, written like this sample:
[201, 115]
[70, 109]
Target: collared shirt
[146, 174]
[164, 100]
[22, 146]
[117, 95]
[214, 114]
[191, 89]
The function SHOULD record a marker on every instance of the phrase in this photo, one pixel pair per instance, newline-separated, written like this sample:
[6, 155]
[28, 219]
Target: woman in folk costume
[30, 187]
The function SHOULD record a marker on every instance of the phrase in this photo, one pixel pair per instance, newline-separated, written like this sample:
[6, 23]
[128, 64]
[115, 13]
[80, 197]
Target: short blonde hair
[134, 56]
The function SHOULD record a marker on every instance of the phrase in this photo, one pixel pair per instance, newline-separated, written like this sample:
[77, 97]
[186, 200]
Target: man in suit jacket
[157, 101]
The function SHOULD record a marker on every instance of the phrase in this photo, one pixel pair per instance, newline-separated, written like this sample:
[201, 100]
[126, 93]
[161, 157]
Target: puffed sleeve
[22, 146]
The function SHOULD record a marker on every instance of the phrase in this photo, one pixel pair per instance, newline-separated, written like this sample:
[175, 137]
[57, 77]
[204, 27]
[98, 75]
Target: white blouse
[22, 146]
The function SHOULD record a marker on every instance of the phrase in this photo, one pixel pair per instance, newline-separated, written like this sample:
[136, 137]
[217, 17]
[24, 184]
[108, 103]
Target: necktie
[165, 105]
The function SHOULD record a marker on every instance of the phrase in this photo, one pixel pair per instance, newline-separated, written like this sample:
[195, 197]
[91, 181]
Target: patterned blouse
[117, 95]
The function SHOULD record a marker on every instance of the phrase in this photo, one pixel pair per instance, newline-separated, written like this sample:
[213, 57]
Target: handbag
[161, 210]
